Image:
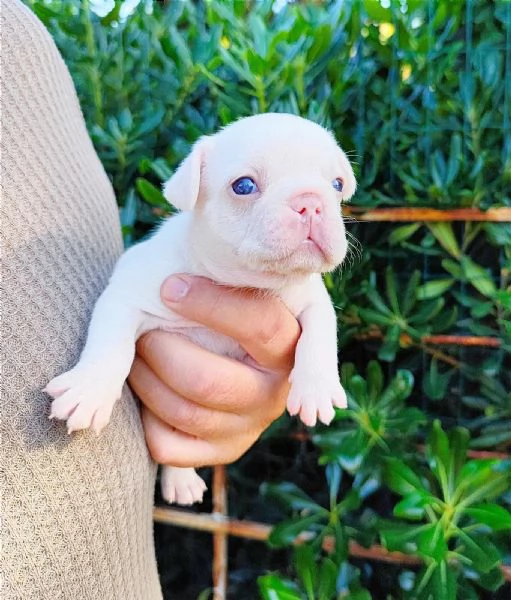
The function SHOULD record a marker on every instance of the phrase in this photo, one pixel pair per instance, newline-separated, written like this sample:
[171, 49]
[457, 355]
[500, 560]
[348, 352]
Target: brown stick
[220, 553]
[427, 214]
[463, 340]
[440, 340]
[259, 531]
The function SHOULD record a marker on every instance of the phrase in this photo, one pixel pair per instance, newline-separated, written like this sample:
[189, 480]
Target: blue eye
[244, 186]
[338, 184]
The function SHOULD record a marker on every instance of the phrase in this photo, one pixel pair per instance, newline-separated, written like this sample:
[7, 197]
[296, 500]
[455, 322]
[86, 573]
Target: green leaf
[434, 288]
[431, 542]
[492, 515]
[484, 479]
[438, 453]
[374, 380]
[428, 310]
[459, 439]
[274, 587]
[478, 277]
[435, 383]
[290, 496]
[150, 193]
[444, 234]
[327, 579]
[391, 287]
[376, 12]
[442, 583]
[400, 537]
[409, 298]
[181, 48]
[377, 301]
[390, 346]
[306, 569]
[401, 479]
[482, 553]
[333, 476]
[285, 533]
[491, 580]
[412, 506]
[455, 158]
[454, 269]
[372, 317]
[402, 233]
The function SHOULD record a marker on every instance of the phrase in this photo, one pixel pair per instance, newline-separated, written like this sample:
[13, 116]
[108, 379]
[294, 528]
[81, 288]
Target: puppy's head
[267, 189]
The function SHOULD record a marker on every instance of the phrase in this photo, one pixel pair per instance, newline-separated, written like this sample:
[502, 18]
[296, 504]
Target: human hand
[203, 409]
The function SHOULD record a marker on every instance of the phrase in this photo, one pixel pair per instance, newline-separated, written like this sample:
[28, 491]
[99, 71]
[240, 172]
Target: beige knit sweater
[76, 510]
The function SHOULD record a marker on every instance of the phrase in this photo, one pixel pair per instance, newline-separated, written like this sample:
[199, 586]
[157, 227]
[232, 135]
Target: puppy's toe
[58, 385]
[294, 402]
[339, 398]
[82, 417]
[326, 412]
[308, 414]
[101, 418]
[64, 406]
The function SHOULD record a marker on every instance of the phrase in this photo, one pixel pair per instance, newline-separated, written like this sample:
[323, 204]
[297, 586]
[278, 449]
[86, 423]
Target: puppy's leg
[182, 486]
[85, 395]
[315, 387]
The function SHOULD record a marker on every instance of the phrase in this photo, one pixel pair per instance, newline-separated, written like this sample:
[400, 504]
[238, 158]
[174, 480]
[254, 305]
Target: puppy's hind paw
[181, 486]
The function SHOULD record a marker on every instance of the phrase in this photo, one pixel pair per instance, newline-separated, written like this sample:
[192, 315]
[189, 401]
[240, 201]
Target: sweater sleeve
[77, 511]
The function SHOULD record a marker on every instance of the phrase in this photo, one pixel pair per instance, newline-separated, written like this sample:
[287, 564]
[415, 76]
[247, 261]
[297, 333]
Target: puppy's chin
[305, 259]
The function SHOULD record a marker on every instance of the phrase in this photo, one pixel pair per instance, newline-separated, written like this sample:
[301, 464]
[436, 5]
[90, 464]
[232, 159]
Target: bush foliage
[418, 92]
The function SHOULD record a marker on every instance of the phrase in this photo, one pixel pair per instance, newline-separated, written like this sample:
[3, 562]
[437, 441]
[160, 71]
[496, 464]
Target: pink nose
[307, 204]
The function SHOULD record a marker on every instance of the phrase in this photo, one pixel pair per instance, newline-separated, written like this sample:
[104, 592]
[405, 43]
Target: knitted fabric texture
[77, 511]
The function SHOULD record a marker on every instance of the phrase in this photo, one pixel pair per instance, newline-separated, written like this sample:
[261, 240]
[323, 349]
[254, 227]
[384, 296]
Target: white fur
[279, 239]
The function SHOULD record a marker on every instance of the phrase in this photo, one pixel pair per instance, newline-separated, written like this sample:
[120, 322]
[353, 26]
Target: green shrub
[417, 92]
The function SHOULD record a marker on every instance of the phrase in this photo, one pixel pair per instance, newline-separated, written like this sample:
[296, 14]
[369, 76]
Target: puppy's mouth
[311, 244]
[308, 256]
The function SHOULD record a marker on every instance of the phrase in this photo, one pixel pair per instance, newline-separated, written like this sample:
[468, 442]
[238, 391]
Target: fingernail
[174, 289]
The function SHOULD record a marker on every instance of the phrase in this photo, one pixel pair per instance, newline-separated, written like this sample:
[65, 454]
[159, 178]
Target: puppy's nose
[307, 204]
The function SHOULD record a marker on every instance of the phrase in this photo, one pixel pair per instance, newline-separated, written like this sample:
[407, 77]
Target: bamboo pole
[397, 214]
[251, 530]
[220, 551]
[440, 340]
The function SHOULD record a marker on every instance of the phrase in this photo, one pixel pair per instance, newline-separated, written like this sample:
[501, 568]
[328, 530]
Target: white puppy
[261, 208]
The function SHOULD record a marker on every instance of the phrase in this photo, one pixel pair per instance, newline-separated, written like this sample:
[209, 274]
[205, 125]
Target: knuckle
[206, 387]
[146, 344]
[199, 421]
[271, 327]
[193, 416]
[159, 452]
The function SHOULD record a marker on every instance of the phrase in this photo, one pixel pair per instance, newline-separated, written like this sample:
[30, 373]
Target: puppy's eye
[338, 184]
[244, 186]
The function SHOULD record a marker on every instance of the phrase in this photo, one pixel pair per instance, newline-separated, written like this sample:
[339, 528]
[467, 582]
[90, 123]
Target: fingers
[197, 374]
[261, 323]
[170, 447]
[179, 412]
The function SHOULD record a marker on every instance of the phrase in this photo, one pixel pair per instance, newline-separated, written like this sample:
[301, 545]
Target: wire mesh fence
[444, 141]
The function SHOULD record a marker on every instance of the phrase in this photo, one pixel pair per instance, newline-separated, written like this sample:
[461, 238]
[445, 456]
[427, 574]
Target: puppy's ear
[350, 183]
[182, 189]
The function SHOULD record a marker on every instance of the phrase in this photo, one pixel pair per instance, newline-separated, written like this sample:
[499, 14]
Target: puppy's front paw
[82, 398]
[182, 486]
[314, 396]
